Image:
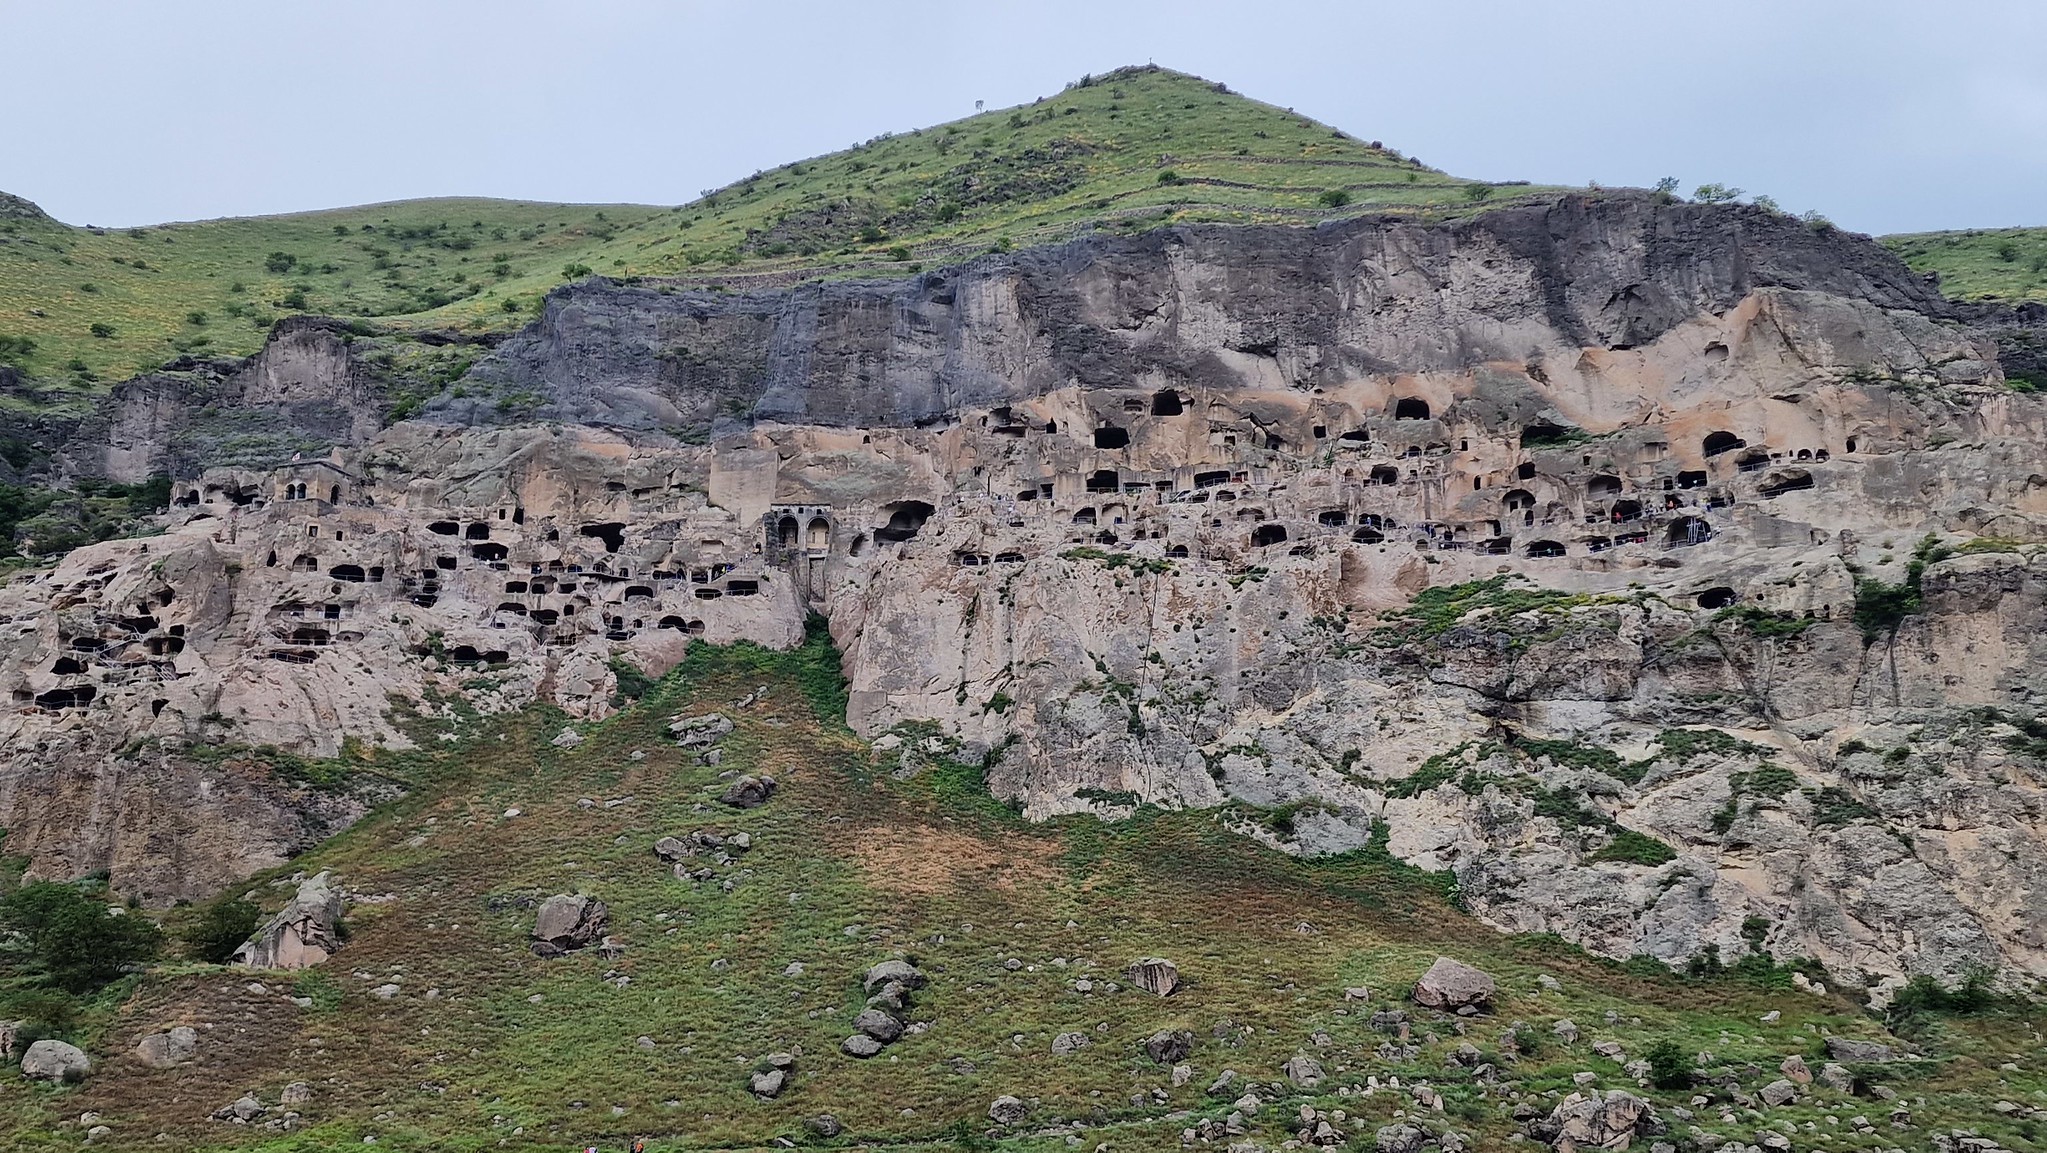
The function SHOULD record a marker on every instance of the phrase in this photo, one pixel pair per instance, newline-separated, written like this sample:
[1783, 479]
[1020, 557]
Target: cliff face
[1460, 536]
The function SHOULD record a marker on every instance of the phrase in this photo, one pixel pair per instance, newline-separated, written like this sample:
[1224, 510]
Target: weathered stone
[1778, 1093]
[1169, 1046]
[1155, 975]
[748, 792]
[860, 1045]
[1400, 1138]
[881, 1026]
[568, 922]
[173, 1047]
[1066, 1044]
[1853, 1049]
[1007, 1110]
[49, 1060]
[899, 972]
[1794, 1068]
[305, 932]
[824, 1125]
[1453, 985]
[1303, 1071]
[767, 1084]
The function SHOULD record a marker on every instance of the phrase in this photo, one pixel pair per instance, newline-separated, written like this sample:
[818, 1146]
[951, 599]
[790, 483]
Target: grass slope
[1132, 150]
[1981, 263]
[486, 1047]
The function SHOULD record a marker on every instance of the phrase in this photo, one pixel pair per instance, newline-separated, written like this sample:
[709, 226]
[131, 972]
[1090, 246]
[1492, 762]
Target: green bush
[101, 329]
[1633, 848]
[1169, 177]
[1333, 198]
[1670, 1067]
[1478, 193]
[66, 937]
[220, 929]
[280, 262]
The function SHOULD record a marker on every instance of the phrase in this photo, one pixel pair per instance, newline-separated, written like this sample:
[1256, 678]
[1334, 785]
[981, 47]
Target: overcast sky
[1885, 115]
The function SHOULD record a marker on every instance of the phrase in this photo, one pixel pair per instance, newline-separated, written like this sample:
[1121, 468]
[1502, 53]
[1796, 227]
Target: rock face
[55, 1061]
[1451, 517]
[173, 1047]
[565, 923]
[1453, 985]
[1595, 1120]
[305, 932]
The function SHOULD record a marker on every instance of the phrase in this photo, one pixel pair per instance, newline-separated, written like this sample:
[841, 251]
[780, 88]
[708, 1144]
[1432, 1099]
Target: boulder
[901, 972]
[1566, 1031]
[748, 792]
[767, 1084]
[1007, 1110]
[567, 922]
[242, 1110]
[296, 1093]
[1794, 1067]
[699, 732]
[879, 1025]
[1453, 985]
[302, 933]
[1400, 1139]
[1303, 1071]
[567, 739]
[1595, 1120]
[1850, 1049]
[1779, 1093]
[1169, 1046]
[55, 1061]
[163, 1050]
[1837, 1077]
[10, 1039]
[1155, 975]
[1066, 1044]
[824, 1125]
[860, 1045]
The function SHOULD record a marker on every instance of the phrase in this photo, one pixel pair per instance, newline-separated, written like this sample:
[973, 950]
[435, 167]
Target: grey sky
[1887, 116]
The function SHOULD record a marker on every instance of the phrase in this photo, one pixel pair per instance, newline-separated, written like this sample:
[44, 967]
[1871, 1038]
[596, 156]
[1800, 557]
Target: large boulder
[173, 1047]
[900, 972]
[565, 922]
[1007, 1110]
[1595, 1120]
[1155, 975]
[55, 1061]
[860, 1045]
[1850, 1049]
[748, 792]
[1303, 1071]
[881, 1026]
[1453, 985]
[305, 932]
[1169, 1046]
[700, 732]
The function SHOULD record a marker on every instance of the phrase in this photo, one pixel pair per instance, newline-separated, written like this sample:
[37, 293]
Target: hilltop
[1980, 263]
[1130, 150]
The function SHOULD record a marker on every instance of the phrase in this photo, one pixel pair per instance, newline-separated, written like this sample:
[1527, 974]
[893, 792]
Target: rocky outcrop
[566, 923]
[305, 932]
[1530, 546]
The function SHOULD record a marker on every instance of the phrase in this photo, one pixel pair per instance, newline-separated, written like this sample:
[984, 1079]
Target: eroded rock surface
[1530, 545]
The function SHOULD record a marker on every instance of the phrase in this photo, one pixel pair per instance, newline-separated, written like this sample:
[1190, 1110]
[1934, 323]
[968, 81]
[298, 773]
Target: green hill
[1024, 931]
[1130, 150]
[1980, 263]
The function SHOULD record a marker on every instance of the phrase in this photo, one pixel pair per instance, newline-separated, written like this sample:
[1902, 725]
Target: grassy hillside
[1981, 263]
[1131, 150]
[1024, 930]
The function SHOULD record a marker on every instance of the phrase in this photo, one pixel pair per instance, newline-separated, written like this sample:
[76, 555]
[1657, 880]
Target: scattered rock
[242, 1111]
[1850, 1049]
[55, 1061]
[1007, 1110]
[163, 1050]
[1169, 1046]
[767, 1084]
[1068, 1043]
[1565, 1031]
[1595, 1120]
[749, 792]
[567, 739]
[1779, 1093]
[860, 1045]
[1155, 975]
[1794, 1068]
[567, 922]
[824, 1125]
[1400, 1138]
[1837, 1077]
[879, 1025]
[296, 1093]
[1453, 985]
[900, 972]
[302, 933]
[699, 732]
[1303, 1071]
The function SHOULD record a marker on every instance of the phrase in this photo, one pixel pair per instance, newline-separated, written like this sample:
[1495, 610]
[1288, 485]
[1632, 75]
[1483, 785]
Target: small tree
[220, 930]
[280, 262]
[1669, 1066]
[1716, 194]
[1478, 193]
[1334, 198]
[1667, 187]
[101, 329]
[68, 938]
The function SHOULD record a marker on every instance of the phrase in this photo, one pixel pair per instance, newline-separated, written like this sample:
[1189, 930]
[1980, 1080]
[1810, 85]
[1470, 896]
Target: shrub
[101, 329]
[1667, 187]
[63, 936]
[280, 262]
[1716, 194]
[15, 348]
[218, 931]
[1670, 1067]
[1169, 177]
[197, 317]
[2008, 252]
[295, 299]
[1477, 193]
[899, 252]
[575, 271]
[1333, 198]
[1633, 848]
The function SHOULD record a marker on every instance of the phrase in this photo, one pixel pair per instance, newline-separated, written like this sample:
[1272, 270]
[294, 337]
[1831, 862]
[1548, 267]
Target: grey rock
[1303, 1071]
[860, 1045]
[1155, 975]
[1852, 1049]
[296, 1093]
[767, 1084]
[1779, 1093]
[1453, 985]
[567, 739]
[173, 1047]
[824, 1125]
[879, 1025]
[1066, 1044]
[1008, 1110]
[1400, 1138]
[49, 1060]
[303, 933]
[898, 972]
[748, 792]
[567, 922]
[1169, 1046]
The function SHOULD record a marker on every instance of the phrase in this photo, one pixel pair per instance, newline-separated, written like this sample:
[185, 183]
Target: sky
[1885, 115]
